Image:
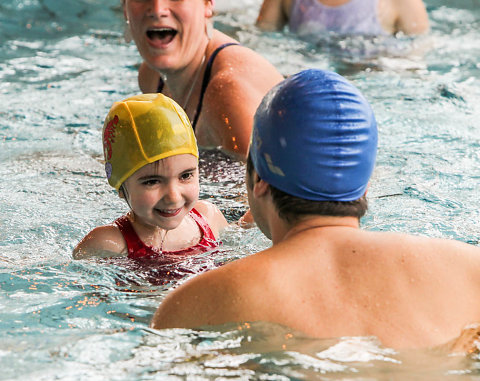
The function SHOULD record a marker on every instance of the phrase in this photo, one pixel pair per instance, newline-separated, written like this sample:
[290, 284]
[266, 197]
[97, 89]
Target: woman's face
[168, 33]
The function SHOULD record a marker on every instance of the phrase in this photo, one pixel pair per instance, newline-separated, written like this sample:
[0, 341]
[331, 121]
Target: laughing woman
[217, 81]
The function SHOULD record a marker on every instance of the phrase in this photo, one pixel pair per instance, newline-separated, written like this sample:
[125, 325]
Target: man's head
[314, 141]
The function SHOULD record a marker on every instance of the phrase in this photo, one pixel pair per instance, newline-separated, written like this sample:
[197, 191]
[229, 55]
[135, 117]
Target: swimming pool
[62, 66]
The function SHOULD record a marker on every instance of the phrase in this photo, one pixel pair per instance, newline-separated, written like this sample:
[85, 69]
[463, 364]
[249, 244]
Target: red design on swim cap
[109, 137]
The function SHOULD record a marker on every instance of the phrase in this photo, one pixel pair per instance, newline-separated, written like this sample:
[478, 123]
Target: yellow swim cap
[141, 130]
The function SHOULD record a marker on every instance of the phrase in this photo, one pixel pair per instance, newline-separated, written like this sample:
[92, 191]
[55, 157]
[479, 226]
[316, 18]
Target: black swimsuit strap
[160, 85]
[206, 80]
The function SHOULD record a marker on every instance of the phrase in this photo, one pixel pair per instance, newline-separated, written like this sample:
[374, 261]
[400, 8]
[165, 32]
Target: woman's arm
[241, 79]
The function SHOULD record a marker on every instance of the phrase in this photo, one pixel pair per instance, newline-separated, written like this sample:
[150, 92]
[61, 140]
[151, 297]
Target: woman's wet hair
[292, 208]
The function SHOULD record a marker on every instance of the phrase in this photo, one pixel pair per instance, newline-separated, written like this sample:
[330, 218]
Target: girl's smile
[169, 213]
[162, 193]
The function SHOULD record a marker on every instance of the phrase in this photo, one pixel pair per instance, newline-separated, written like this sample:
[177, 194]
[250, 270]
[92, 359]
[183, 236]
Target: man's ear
[121, 194]
[260, 187]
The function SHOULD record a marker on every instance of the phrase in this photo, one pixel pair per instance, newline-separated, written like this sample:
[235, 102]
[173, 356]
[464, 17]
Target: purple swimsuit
[355, 17]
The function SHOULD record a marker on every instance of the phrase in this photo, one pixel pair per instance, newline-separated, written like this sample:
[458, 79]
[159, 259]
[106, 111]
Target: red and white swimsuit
[138, 249]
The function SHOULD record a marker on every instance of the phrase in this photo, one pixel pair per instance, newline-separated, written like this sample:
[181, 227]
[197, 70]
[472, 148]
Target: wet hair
[122, 190]
[123, 193]
[292, 208]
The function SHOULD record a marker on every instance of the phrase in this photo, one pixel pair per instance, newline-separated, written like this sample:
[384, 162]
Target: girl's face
[168, 33]
[162, 193]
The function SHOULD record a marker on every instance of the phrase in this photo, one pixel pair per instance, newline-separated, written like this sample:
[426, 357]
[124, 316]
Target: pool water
[62, 65]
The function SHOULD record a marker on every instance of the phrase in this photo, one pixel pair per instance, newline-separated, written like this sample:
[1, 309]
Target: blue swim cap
[315, 137]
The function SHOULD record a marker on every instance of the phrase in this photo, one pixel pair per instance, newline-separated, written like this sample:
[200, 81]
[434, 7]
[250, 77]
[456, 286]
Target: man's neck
[283, 230]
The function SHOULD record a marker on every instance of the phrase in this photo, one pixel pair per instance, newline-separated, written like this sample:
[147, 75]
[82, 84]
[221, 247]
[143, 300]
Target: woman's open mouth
[161, 36]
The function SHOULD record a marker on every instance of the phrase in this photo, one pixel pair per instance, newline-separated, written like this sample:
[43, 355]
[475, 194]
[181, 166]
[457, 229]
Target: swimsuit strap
[203, 225]
[206, 78]
[134, 243]
[160, 86]
[137, 248]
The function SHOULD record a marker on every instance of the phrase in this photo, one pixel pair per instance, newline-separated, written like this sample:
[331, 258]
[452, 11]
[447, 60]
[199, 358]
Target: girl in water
[151, 159]
[359, 17]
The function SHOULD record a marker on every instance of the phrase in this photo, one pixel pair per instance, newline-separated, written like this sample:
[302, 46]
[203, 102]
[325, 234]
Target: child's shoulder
[103, 241]
[213, 215]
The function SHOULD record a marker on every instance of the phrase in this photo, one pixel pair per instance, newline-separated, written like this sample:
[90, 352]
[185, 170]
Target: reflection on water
[222, 179]
[62, 65]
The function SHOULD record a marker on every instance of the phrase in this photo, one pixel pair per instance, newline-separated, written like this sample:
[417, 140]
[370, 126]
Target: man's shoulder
[417, 239]
[214, 297]
[421, 246]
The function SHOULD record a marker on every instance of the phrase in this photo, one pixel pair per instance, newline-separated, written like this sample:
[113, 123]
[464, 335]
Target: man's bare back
[341, 281]
[325, 276]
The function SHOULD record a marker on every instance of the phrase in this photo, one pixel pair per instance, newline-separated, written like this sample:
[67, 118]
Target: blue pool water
[63, 63]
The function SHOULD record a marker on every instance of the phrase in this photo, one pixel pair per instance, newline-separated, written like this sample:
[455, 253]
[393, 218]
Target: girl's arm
[102, 242]
[272, 15]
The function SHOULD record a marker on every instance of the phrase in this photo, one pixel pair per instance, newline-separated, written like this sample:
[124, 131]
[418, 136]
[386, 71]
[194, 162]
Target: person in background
[151, 159]
[313, 151]
[345, 17]
[218, 82]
